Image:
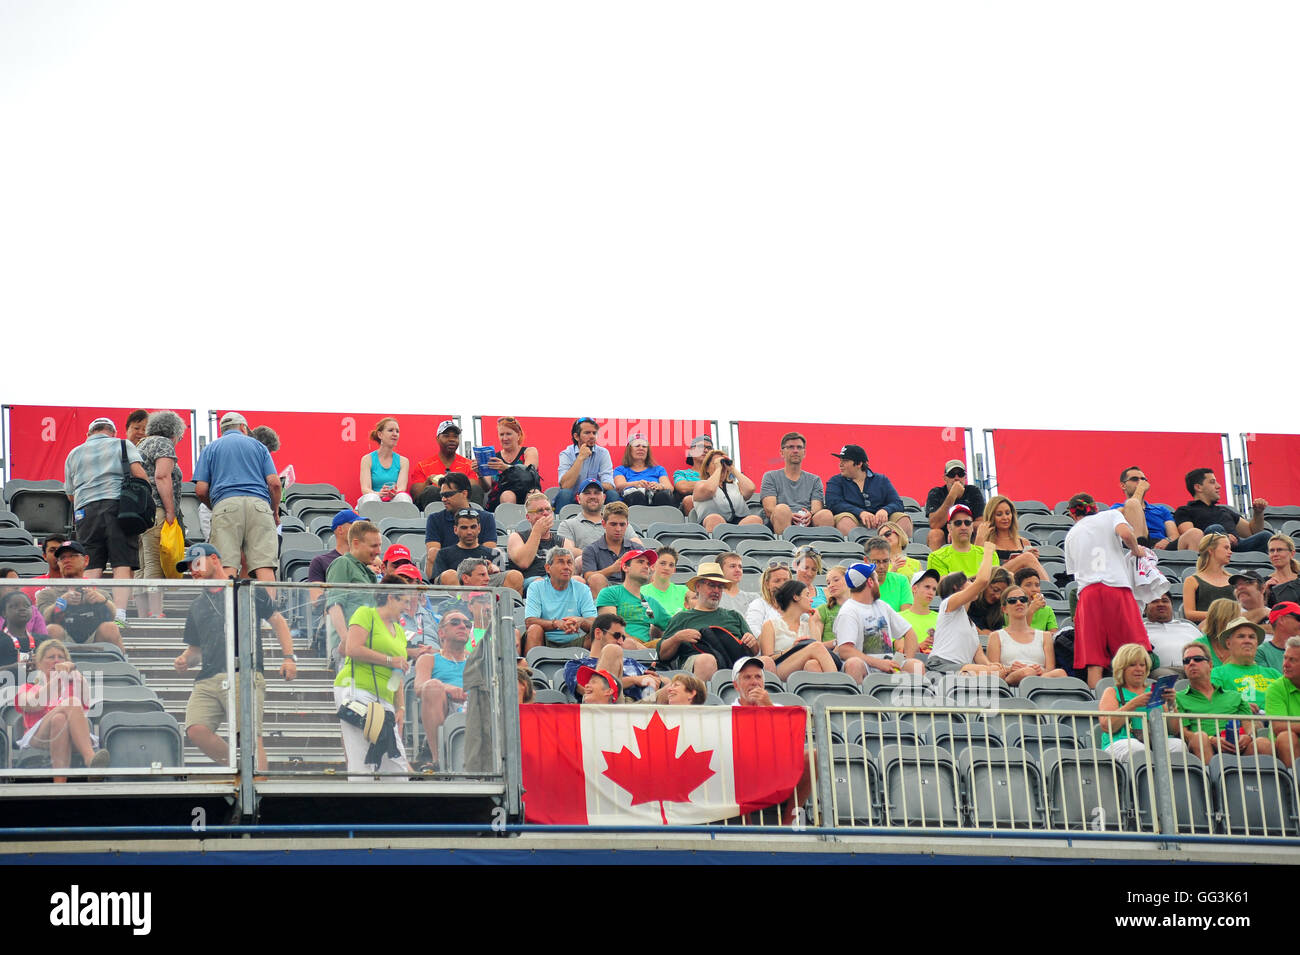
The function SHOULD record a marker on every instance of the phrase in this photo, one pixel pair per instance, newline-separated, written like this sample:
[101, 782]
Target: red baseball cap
[397, 553]
[634, 554]
[585, 673]
[959, 509]
[410, 571]
[1281, 610]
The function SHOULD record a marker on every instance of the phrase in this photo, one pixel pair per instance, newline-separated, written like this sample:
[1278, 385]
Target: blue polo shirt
[1156, 515]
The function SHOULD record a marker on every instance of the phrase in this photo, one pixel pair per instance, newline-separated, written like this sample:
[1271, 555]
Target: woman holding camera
[721, 494]
[374, 671]
[54, 710]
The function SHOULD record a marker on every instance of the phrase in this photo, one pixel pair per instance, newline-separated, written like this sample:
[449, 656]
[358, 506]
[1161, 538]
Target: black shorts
[101, 535]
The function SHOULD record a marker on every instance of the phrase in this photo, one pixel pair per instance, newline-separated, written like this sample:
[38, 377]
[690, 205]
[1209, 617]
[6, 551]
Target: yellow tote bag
[171, 548]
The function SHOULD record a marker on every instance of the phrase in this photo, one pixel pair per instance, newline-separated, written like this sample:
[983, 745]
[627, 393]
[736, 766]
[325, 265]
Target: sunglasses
[961, 523]
[466, 512]
[956, 473]
[457, 622]
[448, 492]
[778, 562]
[1016, 600]
[1198, 659]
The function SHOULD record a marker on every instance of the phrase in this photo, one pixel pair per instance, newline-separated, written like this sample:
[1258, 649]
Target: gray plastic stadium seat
[1086, 789]
[963, 736]
[785, 699]
[669, 533]
[10, 536]
[141, 739]
[42, 510]
[375, 511]
[897, 689]
[299, 540]
[111, 672]
[321, 491]
[129, 699]
[4, 747]
[290, 523]
[1035, 738]
[643, 515]
[548, 695]
[80, 653]
[810, 535]
[1002, 788]
[874, 735]
[970, 690]
[808, 686]
[1045, 690]
[508, 515]
[1031, 507]
[720, 685]
[451, 736]
[920, 784]
[731, 533]
[1191, 794]
[1253, 795]
[294, 564]
[761, 548]
[13, 485]
[856, 785]
[551, 660]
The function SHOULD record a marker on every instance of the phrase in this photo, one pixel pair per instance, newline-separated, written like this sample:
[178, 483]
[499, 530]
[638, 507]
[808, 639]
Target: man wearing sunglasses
[609, 638]
[961, 554]
[1205, 738]
[440, 679]
[440, 526]
[1153, 523]
[940, 500]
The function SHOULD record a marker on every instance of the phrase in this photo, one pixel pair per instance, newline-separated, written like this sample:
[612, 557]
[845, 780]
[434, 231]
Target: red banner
[1052, 466]
[1274, 462]
[669, 439]
[326, 446]
[911, 457]
[41, 436]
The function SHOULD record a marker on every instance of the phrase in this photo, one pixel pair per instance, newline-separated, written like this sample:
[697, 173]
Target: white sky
[700, 209]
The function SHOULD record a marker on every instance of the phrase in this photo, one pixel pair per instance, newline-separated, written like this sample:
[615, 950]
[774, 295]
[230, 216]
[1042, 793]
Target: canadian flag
[650, 765]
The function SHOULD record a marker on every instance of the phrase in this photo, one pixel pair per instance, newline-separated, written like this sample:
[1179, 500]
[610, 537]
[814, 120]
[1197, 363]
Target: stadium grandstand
[483, 609]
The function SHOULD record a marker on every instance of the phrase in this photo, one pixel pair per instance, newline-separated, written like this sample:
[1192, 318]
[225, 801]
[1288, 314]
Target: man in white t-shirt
[866, 629]
[1106, 616]
[1167, 635]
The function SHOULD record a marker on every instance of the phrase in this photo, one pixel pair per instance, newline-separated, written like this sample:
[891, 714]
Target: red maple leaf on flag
[658, 774]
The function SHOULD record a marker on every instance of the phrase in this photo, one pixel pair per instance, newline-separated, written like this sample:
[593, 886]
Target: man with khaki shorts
[678, 649]
[236, 478]
[205, 636]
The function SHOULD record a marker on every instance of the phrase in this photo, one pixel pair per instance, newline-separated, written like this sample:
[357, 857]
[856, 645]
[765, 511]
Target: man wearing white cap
[237, 479]
[866, 629]
[92, 479]
[427, 474]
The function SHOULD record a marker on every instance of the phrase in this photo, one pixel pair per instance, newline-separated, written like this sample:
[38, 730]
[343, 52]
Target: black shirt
[972, 497]
[440, 526]
[205, 628]
[1202, 515]
[449, 558]
[81, 620]
[11, 646]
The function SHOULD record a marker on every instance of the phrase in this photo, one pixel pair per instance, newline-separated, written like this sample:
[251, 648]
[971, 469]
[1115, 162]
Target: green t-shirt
[672, 600]
[922, 625]
[1282, 699]
[909, 569]
[828, 613]
[390, 641]
[1252, 682]
[1044, 619]
[946, 560]
[699, 620]
[896, 591]
[1220, 701]
[348, 570]
[636, 613]
[1269, 655]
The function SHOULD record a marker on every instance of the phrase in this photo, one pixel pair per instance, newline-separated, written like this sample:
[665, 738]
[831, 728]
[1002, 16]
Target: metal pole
[246, 732]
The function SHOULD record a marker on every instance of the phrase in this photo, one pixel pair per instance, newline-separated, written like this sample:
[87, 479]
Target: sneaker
[100, 760]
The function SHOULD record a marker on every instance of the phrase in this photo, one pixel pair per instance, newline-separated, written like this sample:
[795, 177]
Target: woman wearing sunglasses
[807, 565]
[721, 495]
[899, 562]
[1018, 646]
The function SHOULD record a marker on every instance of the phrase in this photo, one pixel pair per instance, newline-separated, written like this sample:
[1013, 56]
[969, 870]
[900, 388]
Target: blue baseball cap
[859, 574]
[345, 516]
[194, 552]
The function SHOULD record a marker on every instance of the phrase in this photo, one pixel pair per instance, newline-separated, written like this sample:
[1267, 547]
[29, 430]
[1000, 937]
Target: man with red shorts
[1106, 616]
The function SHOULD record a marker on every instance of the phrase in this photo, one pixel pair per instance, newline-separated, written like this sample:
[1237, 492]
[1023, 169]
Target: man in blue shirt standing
[236, 478]
[1161, 531]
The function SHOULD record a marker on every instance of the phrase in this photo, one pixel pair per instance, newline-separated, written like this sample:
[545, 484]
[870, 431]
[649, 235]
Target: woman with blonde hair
[807, 564]
[1001, 530]
[837, 594]
[899, 562]
[384, 472]
[763, 608]
[54, 710]
[1284, 584]
[1131, 692]
[1018, 646]
[515, 464]
[1210, 582]
[1216, 620]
